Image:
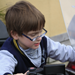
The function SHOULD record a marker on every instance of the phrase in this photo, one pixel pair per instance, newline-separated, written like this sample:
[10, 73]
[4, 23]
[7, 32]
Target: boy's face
[26, 43]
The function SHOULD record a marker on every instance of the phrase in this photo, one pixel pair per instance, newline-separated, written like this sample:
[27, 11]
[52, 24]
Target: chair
[54, 69]
[3, 33]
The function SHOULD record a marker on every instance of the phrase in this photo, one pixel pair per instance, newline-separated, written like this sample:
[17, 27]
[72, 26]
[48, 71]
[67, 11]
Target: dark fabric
[23, 62]
[44, 51]
[7, 73]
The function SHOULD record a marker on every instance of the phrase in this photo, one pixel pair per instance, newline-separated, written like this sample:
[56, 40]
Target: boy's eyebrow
[33, 33]
[36, 32]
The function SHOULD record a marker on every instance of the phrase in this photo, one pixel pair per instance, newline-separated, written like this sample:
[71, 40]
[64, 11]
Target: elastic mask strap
[15, 43]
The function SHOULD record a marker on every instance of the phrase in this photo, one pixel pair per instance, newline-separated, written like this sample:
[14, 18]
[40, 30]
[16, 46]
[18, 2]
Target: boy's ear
[14, 35]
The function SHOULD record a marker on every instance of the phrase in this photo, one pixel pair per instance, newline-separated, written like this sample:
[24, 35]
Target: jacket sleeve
[7, 63]
[60, 51]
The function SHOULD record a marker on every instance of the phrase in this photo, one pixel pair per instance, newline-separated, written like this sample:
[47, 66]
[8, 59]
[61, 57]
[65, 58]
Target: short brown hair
[24, 17]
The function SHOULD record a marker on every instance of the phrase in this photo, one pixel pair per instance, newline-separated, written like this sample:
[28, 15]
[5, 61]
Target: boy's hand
[21, 73]
[25, 72]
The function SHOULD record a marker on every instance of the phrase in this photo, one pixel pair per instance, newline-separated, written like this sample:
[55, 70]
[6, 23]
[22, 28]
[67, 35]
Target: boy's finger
[26, 72]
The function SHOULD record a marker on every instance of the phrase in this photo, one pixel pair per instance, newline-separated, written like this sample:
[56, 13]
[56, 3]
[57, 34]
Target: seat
[3, 33]
[54, 69]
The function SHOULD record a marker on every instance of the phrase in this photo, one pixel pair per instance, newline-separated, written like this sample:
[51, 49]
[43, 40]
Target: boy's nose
[39, 38]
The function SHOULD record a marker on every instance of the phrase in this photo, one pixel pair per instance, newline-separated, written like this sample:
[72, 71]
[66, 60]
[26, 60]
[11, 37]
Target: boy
[28, 46]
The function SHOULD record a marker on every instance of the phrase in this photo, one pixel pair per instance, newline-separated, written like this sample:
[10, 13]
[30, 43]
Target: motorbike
[70, 69]
[52, 69]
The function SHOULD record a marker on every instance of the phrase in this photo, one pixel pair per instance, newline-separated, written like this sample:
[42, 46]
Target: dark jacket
[23, 62]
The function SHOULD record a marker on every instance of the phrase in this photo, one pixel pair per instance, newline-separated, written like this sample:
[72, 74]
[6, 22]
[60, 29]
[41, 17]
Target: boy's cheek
[29, 44]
